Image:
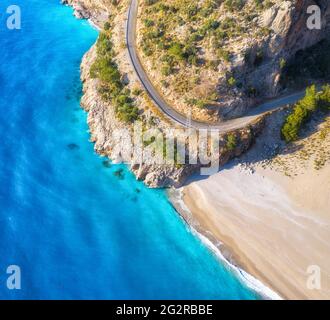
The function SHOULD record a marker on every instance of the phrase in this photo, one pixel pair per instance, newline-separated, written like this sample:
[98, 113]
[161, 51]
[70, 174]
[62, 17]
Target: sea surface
[74, 225]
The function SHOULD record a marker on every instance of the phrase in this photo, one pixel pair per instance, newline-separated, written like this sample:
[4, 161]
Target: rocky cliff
[97, 11]
[287, 21]
[106, 133]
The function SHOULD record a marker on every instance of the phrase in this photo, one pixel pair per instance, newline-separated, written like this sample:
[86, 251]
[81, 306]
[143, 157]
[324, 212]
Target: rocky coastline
[103, 122]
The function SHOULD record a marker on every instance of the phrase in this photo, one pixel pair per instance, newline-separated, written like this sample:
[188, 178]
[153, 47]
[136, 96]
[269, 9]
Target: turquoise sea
[74, 228]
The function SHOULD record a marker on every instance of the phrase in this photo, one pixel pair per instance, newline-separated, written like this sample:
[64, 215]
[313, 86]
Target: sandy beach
[272, 225]
[268, 231]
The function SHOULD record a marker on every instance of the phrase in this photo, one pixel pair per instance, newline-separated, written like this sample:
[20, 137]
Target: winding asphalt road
[175, 116]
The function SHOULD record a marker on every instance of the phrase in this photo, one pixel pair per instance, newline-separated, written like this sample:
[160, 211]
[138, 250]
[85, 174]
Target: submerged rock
[106, 163]
[73, 146]
[119, 174]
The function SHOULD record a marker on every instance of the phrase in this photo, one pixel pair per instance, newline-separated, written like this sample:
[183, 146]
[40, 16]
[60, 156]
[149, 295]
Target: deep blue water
[74, 228]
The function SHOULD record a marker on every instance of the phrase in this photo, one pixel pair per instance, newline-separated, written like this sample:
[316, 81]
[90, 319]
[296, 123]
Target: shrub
[176, 50]
[302, 111]
[231, 81]
[234, 5]
[282, 63]
[324, 98]
[231, 142]
[112, 88]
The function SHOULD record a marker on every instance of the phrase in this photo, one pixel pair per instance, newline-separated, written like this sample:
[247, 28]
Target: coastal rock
[80, 12]
[97, 11]
[104, 124]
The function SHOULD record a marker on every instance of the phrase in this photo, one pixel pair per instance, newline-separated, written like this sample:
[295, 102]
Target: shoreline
[267, 211]
[223, 253]
[274, 244]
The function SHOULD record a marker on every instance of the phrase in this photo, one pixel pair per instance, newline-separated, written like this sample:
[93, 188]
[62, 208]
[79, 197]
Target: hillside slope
[216, 59]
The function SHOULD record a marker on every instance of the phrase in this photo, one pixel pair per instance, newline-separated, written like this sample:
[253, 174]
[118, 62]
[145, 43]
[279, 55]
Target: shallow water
[75, 228]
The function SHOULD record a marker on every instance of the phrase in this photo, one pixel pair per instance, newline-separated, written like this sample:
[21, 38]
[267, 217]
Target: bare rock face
[268, 16]
[94, 10]
[280, 18]
[290, 27]
[163, 176]
[287, 24]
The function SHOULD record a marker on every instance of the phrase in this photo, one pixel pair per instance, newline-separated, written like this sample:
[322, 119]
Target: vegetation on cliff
[112, 86]
[302, 112]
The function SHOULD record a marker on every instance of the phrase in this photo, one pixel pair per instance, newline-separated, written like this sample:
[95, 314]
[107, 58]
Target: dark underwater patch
[72, 146]
[119, 174]
[106, 164]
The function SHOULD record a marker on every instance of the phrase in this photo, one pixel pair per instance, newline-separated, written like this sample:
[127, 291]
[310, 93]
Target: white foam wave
[250, 281]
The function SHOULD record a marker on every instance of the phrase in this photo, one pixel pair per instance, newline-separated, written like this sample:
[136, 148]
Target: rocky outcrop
[107, 134]
[103, 124]
[259, 72]
[97, 11]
